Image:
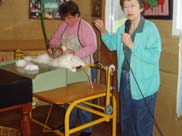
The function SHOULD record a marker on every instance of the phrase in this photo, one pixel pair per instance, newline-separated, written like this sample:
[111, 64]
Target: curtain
[177, 31]
[114, 16]
[179, 17]
[179, 88]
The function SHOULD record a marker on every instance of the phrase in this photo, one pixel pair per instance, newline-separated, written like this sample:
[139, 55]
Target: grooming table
[81, 92]
[17, 87]
[47, 77]
[61, 86]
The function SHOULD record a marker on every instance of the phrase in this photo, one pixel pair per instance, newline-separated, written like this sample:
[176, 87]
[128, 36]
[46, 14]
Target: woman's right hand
[100, 26]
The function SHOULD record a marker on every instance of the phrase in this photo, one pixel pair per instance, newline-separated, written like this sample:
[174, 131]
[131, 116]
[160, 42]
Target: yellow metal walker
[81, 92]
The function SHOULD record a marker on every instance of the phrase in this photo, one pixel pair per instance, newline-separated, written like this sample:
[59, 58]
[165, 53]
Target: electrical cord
[155, 122]
[54, 53]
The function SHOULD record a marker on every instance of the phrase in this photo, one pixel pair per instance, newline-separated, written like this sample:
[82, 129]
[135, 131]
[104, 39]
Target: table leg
[25, 122]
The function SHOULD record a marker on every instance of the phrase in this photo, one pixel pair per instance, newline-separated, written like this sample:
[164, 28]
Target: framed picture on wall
[51, 9]
[1, 2]
[96, 8]
[158, 9]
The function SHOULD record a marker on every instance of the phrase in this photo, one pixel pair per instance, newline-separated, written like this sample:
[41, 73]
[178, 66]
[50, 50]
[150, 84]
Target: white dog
[68, 61]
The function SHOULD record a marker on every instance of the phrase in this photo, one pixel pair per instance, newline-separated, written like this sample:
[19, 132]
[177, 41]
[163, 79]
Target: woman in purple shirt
[79, 39]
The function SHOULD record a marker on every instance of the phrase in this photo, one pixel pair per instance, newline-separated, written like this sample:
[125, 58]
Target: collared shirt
[127, 51]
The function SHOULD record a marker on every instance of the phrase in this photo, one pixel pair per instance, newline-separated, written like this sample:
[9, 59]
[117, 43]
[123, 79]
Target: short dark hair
[141, 3]
[68, 8]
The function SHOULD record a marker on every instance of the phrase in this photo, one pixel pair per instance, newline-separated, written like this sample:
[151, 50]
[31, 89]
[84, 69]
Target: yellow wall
[166, 102]
[17, 30]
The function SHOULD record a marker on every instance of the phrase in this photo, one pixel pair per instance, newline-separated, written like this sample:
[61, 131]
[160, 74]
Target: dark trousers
[136, 119]
[85, 116]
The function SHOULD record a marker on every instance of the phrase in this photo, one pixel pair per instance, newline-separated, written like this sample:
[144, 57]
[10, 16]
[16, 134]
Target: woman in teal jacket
[138, 54]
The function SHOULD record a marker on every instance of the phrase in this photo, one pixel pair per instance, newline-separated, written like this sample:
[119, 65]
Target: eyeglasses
[69, 17]
[132, 7]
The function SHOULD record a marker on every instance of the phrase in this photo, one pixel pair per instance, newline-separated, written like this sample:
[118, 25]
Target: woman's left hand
[126, 39]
